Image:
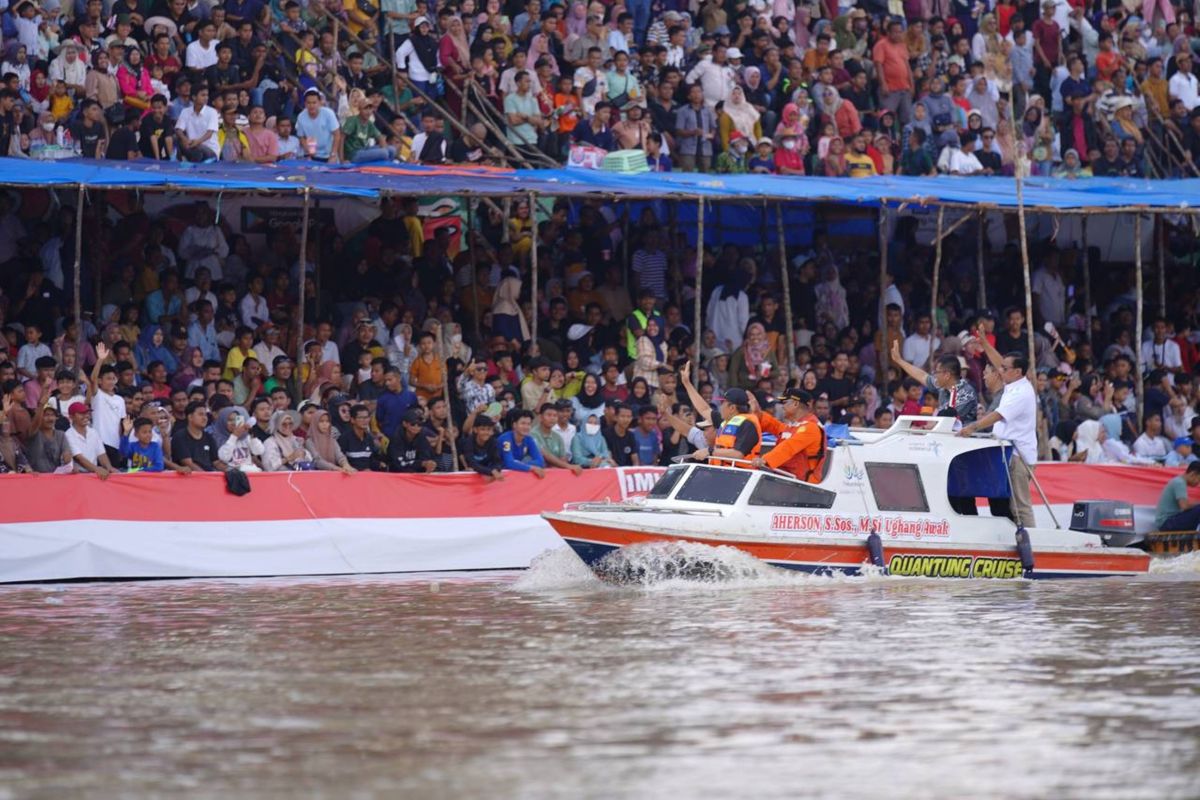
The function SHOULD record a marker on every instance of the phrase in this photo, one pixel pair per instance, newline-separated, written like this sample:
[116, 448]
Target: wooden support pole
[787, 291]
[1025, 271]
[1087, 280]
[981, 275]
[303, 264]
[885, 356]
[1140, 325]
[441, 345]
[1161, 254]
[474, 267]
[78, 279]
[533, 266]
[698, 337]
[933, 291]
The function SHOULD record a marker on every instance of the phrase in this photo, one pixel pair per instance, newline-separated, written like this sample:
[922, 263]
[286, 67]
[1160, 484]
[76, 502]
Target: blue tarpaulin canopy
[382, 179]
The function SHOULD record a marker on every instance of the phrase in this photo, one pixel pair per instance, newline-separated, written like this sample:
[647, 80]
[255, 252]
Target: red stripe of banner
[302, 495]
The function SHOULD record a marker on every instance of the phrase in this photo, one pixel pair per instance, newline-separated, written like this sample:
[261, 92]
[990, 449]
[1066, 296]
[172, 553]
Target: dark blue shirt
[519, 456]
[390, 407]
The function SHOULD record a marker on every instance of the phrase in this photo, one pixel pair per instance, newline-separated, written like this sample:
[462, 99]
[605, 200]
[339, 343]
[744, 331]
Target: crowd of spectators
[912, 87]
[416, 357]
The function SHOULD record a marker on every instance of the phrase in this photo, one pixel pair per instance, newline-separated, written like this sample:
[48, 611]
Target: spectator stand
[971, 198]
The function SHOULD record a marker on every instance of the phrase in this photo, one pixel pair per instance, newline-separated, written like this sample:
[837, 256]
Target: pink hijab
[577, 20]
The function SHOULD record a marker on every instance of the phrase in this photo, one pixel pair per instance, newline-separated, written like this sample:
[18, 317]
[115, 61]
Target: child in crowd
[140, 451]
[1182, 455]
[763, 160]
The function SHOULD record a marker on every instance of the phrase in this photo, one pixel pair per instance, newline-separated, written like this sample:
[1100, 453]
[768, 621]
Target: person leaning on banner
[740, 437]
[801, 447]
[1175, 512]
[1015, 419]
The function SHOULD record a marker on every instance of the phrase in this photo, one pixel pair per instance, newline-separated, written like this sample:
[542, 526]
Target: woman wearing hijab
[839, 111]
[329, 373]
[760, 99]
[576, 21]
[419, 56]
[588, 447]
[729, 311]
[651, 353]
[338, 409]
[152, 347]
[738, 115]
[134, 80]
[283, 451]
[454, 53]
[752, 360]
[324, 449]
[831, 303]
[507, 319]
[1071, 167]
[834, 163]
[588, 401]
[235, 446]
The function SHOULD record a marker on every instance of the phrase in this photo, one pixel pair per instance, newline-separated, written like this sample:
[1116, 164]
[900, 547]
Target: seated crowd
[732, 86]
[423, 359]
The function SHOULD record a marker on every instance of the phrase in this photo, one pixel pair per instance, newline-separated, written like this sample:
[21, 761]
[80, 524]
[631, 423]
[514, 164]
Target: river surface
[549, 684]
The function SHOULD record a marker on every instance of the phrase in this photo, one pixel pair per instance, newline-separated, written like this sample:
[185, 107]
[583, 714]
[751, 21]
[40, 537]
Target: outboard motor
[1111, 520]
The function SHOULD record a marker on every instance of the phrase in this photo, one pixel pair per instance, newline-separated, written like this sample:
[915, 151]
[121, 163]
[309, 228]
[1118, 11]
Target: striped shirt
[651, 269]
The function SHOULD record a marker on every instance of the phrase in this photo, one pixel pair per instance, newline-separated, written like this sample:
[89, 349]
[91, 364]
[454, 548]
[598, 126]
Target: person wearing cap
[479, 448]
[46, 446]
[714, 75]
[1180, 456]
[409, 450]
[1183, 85]
[801, 438]
[739, 440]
[267, 349]
[732, 161]
[763, 160]
[84, 444]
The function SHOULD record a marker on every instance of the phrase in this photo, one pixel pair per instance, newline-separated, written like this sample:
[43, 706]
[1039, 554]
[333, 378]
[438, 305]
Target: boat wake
[1185, 567]
[663, 566]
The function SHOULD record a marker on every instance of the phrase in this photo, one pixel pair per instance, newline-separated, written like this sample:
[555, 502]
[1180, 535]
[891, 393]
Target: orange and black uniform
[801, 447]
[741, 432]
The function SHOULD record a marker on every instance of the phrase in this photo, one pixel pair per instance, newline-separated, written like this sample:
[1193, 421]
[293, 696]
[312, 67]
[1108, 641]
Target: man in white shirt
[1162, 352]
[1049, 291]
[960, 160]
[1182, 85]
[203, 244]
[84, 444]
[715, 77]
[268, 349]
[108, 407]
[921, 344]
[1015, 419]
[591, 82]
[253, 307]
[202, 53]
[508, 78]
[196, 128]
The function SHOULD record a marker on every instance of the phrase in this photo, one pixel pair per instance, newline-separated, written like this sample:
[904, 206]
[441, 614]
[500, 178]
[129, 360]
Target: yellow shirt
[234, 361]
[351, 8]
[860, 165]
[416, 236]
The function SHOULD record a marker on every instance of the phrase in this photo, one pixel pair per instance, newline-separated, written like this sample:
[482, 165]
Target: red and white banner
[321, 523]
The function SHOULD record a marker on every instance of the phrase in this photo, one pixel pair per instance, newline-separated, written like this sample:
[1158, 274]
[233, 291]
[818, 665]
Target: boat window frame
[874, 467]
[824, 498]
[678, 469]
[732, 475]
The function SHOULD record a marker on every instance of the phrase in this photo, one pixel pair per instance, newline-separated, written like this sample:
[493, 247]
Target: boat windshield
[667, 482]
[713, 485]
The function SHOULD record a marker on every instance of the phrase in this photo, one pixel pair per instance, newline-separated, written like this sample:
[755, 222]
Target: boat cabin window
[772, 491]
[722, 486]
[667, 482]
[897, 487]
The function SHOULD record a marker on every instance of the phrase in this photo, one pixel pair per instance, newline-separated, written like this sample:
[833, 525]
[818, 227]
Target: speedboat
[897, 501]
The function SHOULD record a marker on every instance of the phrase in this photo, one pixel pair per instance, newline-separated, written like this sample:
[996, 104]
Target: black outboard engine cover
[1111, 520]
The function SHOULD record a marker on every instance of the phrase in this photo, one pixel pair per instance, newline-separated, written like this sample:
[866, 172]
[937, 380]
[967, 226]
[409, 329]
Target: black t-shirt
[89, 136]
[408, 456]
[151, 127]
[363, 454]
[202, 451]
[124, 141]
[835, 388]
[622, 448]
[1006, 344]
[8, 129]
[483, 458]
[219, 77]
[776, 325]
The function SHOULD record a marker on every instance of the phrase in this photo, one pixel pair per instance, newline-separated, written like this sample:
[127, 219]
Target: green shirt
[550, 443]
[1168, 502]
[355, 134]
[397, 26]
[523, 133]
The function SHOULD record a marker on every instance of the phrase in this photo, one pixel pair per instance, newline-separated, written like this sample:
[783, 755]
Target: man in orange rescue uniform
[801, 447]
[740, 435]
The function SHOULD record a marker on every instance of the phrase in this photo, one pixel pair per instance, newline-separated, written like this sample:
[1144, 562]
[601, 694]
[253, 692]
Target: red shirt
[892, 58]
[1049, 36]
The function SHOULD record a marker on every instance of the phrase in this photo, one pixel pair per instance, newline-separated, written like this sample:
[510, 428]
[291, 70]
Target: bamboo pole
[98, 269]
[933, 292]
[981, 287]
[446, 396]
[474, 264]
[885, 356]
[78, 280]
[303, 264]
[787, 292]
[698, 336]
[533, 263]
[1087, 281]
[1030, 371]
[1161, 240]
[1140, 324]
